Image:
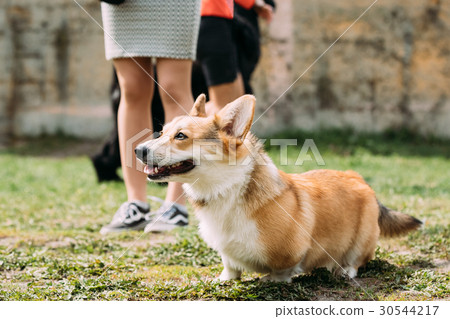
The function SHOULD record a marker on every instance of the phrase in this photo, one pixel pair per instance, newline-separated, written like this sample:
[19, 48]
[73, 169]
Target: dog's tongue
[155, 170]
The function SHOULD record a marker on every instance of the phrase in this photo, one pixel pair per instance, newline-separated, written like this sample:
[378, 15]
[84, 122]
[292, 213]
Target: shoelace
[162, 212]
[165, 211]
[131, 212]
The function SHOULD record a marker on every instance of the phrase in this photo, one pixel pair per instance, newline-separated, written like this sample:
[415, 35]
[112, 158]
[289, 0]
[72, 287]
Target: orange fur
[342, 216]
[262, 219]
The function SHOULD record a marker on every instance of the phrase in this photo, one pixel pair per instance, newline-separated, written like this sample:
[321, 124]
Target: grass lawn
[51, 211]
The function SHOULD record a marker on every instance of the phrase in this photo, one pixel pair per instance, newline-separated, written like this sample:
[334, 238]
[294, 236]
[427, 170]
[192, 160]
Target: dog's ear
[199, 106]
[236, 117]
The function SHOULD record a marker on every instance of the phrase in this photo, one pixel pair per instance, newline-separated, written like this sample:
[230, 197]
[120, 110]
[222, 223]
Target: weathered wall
[53, 74]
[390, 70]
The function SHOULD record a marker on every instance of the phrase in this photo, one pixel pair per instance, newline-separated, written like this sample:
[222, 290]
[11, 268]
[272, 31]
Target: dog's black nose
[141, 152]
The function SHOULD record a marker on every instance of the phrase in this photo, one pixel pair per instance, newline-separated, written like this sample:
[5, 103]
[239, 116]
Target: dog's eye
[180, 136]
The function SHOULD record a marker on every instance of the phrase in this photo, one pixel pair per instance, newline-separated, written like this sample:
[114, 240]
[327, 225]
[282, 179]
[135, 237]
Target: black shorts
[217, 51]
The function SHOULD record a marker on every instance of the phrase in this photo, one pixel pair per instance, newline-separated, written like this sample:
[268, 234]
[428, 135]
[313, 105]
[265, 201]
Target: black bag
[113, 1]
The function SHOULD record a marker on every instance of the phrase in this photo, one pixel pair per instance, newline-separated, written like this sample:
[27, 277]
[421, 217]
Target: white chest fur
[225, 223]
[226, 227]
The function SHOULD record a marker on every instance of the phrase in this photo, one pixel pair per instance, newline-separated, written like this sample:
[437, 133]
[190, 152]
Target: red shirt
[223, 8]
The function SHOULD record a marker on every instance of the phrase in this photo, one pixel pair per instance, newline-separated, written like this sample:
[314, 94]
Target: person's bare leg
[222, 94]
[133, 117]
[175, 79]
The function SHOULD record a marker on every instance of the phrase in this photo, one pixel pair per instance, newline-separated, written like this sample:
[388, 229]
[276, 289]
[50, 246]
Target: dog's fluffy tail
[393, 223]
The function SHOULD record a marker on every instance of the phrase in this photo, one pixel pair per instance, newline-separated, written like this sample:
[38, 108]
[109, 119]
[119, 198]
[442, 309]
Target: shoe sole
[139, 227]
[160, 227]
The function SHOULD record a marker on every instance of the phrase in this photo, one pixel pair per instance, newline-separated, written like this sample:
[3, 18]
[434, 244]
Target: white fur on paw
[228, 275]
[351, 272]
[224, 278]
[276, 279]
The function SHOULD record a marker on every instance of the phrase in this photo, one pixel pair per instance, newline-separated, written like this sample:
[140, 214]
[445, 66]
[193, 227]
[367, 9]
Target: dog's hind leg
[357, 256]
[364, 243]
[349, 272]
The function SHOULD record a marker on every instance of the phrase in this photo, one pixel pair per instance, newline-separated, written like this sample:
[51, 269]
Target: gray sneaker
[133, 215]
[167, 217]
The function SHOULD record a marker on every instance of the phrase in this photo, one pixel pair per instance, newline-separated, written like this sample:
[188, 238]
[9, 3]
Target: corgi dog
[257, 217]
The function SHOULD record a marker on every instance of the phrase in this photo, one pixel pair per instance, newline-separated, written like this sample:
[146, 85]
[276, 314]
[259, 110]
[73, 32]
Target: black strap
[113, 1]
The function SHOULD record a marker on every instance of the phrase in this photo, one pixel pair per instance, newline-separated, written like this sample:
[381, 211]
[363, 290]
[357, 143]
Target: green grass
[51, 209]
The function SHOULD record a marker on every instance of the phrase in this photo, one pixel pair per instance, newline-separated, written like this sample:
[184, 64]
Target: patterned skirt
[151, 28]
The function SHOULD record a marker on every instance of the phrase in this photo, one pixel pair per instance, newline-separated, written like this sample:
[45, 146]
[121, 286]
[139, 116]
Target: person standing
[217, 49]
[106, 160]
[248, 37]
[138, 32]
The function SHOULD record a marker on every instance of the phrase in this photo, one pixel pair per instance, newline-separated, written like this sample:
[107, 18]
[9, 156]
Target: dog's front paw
[272, 278]
[228, 274]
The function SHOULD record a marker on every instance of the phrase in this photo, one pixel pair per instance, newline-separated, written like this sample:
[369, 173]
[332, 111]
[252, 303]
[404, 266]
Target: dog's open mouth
[157, 172]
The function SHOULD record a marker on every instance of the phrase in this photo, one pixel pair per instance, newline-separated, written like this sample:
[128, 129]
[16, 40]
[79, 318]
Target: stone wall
[54, 77]
[390, 70]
